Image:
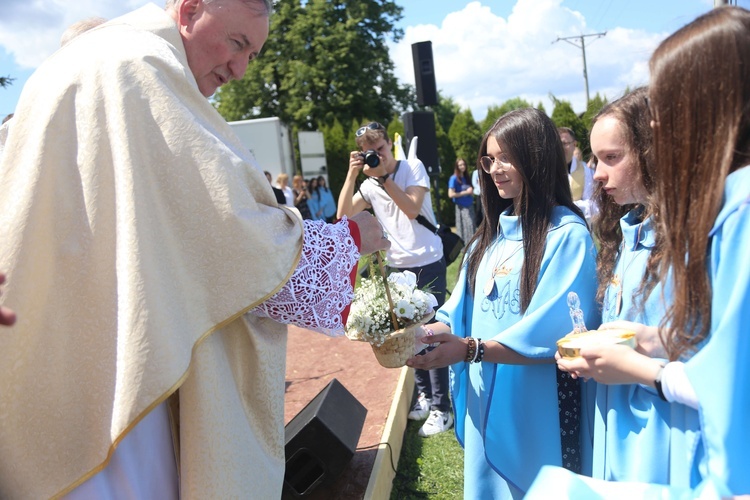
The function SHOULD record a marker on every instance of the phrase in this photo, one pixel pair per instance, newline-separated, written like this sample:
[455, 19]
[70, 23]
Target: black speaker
[421, 124]
[321, 440]
[424, 73]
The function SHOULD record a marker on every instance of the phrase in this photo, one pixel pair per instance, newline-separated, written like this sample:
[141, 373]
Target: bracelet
[476, 351]
[471, 349]
[657, 384]
[480, 352]
[384, 178]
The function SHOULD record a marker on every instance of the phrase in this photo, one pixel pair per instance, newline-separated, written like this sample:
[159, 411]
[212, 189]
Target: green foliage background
[326, 67]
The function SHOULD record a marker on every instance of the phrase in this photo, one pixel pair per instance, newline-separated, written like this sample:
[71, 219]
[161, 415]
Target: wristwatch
[384, 178]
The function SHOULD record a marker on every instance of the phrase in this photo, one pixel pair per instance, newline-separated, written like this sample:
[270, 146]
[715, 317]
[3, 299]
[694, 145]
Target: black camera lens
[371, 158]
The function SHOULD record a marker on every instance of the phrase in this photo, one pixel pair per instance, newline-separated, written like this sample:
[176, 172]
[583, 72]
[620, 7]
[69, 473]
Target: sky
[485, 52]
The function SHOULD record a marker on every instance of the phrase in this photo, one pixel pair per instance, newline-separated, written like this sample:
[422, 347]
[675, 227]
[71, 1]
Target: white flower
[407, 279]
[404, 309]
[370, 318]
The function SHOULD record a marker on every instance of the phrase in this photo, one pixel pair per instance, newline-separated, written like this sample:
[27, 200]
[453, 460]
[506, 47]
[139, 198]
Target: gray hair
[267, 4]
[79, 27]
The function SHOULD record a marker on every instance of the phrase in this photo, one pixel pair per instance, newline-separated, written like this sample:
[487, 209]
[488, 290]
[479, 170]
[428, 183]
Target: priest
[152, 269]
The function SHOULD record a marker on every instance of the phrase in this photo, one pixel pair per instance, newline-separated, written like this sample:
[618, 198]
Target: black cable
[390, 452]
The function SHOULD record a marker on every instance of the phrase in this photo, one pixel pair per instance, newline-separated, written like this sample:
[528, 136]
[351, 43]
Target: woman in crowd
[699, 98]
[461, 192]
[282, 182]
[325, 204]
[301, 196]
[312, 201]
[533, 249]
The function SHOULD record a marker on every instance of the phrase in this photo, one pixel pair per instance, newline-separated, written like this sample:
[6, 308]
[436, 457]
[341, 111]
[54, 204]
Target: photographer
[397, 192]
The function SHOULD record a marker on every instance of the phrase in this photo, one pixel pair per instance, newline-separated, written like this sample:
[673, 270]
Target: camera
[371, 158]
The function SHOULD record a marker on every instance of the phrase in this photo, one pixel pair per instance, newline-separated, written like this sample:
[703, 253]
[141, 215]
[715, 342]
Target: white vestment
[137, 231]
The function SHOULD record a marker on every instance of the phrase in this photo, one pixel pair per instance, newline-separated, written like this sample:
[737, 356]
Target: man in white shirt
[398, 191]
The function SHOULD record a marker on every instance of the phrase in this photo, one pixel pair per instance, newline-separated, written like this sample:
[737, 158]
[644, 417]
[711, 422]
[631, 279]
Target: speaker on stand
[424, 73]
[421, 124]
[321, 440]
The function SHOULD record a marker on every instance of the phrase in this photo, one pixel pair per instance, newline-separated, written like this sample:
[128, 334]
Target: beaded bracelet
[480, 352]
[471, 349]
[476, 351]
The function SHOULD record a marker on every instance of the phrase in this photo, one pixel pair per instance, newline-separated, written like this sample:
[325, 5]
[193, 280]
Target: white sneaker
[421, 408]
[438, 422]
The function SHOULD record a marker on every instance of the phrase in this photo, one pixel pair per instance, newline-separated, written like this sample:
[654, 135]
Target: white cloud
[482, 59]
[44, 22]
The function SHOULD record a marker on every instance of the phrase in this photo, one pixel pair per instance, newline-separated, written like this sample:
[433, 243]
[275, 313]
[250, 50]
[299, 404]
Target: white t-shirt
[288, 194]
[412, 244]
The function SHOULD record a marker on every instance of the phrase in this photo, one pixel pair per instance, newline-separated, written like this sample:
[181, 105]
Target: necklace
[619, 281]
[500, 269]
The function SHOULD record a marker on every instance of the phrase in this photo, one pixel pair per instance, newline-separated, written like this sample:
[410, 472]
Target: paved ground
[313, 360]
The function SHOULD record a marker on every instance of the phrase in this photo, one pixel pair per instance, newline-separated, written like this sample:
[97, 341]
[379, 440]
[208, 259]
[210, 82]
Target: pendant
[618, 303]
[504, 271]
[490, 285]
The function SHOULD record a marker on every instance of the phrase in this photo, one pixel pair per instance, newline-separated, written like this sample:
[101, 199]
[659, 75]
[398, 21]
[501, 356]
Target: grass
[430, 467]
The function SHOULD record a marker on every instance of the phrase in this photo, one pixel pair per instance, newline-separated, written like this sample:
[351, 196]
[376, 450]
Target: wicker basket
[399, 345]
[397, 348]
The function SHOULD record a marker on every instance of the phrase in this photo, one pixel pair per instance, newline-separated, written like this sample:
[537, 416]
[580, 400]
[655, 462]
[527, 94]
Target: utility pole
[582, 46]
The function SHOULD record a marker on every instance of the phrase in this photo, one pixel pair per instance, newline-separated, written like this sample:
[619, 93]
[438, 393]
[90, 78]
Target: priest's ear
[188, 11]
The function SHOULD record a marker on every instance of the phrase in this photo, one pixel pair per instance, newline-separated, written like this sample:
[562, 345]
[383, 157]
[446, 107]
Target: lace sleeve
[320, 288]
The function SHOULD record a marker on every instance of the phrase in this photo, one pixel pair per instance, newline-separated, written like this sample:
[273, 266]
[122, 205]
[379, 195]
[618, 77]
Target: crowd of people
[151, 272]
[312, 198]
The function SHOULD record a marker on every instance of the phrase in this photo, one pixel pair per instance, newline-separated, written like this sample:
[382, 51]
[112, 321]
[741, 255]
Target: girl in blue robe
[633, 431]
[498, 330]
[702, 191]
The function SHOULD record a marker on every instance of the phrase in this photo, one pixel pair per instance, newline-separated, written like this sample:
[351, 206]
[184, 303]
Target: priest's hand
[371, 233]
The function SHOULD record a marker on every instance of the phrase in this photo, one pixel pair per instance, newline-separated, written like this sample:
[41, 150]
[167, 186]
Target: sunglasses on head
[369, 126]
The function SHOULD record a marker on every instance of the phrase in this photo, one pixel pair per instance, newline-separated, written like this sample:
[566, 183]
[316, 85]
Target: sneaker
[421, 408]
[439, 421]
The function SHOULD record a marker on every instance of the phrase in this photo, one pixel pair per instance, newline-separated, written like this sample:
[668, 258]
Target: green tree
[564, 116]
[595, 105]
[465, 136]
[325, 60]
[337, 154]
[447, 156]
[445, 110]
[495, 112]
[396, 126]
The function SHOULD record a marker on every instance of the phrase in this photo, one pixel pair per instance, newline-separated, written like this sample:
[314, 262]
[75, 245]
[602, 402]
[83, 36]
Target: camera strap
[393, 175]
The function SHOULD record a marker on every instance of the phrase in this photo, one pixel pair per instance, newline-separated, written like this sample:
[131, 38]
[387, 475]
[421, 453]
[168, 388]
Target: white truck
[270, 142]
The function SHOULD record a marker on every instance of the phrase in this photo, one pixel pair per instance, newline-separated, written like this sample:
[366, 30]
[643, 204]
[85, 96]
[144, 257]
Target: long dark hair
[700, 101]
[631, 111]
[461, 176]
[532, 143]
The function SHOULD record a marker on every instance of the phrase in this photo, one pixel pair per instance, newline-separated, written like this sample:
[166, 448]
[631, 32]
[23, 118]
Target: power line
[582, 46]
